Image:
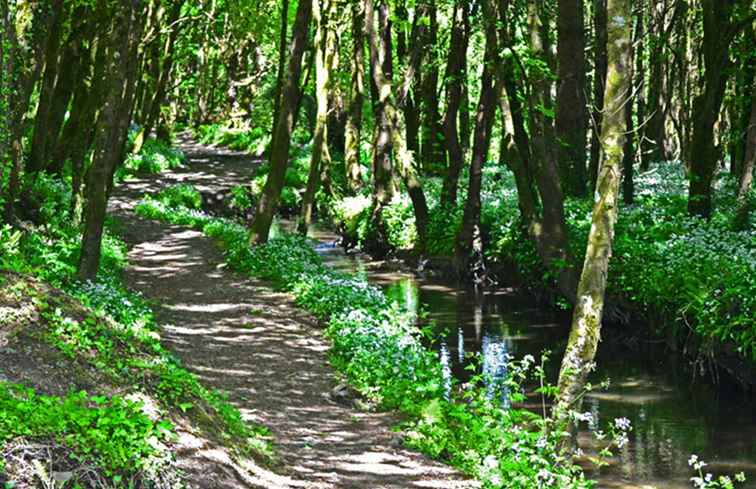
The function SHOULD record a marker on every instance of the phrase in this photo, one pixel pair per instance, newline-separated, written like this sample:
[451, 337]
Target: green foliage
[113, 433]
[253, 140]
[377, 346]
[112, 329]
[698, 274]
[156, 156]
[241, 198]
[183, 195]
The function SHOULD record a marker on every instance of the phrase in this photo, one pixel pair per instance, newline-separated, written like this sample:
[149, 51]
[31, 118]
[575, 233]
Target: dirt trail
[241, 337]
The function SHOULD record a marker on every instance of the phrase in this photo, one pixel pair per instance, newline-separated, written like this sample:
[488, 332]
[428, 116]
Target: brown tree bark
[571, 116]
[282, 48]
[109, 133]
[325, 50]
[27, 62]
[469, 236]
[585, 334]
[702, 155]
[357, 98]
[431, 133]
[37, 159]
[455, 70]
[391, 111]
[746, 176]
[158, 98]
[279, 152]
[599, 83]
[74, 56]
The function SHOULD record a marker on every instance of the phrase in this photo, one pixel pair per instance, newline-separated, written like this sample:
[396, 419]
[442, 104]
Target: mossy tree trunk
[719, 30]
[37, 159]
[405, 164]
[325, 49]
[123, 36]
[357, 98]
[578, 360]
[599, 84]
[279, 152]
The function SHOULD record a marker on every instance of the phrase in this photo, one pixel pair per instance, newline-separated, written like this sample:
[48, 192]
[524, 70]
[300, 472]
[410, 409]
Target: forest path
[243, 338]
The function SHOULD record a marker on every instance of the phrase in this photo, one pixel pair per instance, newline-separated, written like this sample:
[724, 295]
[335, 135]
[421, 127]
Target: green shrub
[156, 156]
[113, 433]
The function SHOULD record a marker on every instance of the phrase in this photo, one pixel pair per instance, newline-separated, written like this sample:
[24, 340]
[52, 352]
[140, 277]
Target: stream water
[672, 417]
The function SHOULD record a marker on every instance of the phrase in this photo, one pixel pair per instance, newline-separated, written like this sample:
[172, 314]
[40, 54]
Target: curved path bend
[243, 338]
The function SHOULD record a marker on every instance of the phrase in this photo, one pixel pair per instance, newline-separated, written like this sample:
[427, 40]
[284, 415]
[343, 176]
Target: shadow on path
[241, 337]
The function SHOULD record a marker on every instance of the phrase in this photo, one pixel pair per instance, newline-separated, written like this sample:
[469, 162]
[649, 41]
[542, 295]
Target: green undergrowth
[377, 346]
[698, 277]
[112, 432]
[104, 328]
[156, 156]
[253, 140]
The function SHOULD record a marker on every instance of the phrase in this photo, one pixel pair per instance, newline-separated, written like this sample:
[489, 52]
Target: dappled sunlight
[254, 343]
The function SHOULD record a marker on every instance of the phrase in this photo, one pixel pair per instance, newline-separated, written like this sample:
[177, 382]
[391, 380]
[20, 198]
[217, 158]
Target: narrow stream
[671, 418]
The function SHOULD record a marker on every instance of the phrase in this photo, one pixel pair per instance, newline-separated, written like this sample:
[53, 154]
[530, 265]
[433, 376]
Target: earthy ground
[241, 337]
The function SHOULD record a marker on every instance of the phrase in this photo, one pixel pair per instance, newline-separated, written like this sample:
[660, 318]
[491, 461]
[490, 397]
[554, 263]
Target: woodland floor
[242, 337]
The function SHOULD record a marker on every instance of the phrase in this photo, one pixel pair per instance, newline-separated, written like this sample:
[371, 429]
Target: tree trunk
[108, 137]
[37, 158]
[571, 114]
[73, 58]
[393, 118]
[469, 235]
[599, 82]
[579, 356]
[746, 175]
[279, 152]
[6, 76]
[354, 116]
[325, 49]
[628, 153]
[703, 154]
[161, 85]
[654, 134]
[432, 143]
[455, 69]
[282, 45]
[26, 60]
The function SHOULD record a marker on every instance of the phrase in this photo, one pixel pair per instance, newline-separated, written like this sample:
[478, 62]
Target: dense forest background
[598, 152]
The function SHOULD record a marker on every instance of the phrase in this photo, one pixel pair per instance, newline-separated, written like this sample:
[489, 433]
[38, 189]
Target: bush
[156, 156]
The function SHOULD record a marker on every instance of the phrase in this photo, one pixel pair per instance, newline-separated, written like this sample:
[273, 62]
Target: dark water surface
[672, 417]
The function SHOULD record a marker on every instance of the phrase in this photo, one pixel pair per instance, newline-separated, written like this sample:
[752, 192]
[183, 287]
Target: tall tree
[325, 49]
[37, 158]
[468, 241]
[279, 152]
[454, 76]
[123, 35]
[571, 111]
[357, 98]
[749, 161]
[586, 319]
[282, 44]
[391, 111]
[720, 28]
[599, 83]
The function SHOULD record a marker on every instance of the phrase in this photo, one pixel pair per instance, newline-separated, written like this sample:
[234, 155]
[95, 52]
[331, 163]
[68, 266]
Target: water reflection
[670, 419]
